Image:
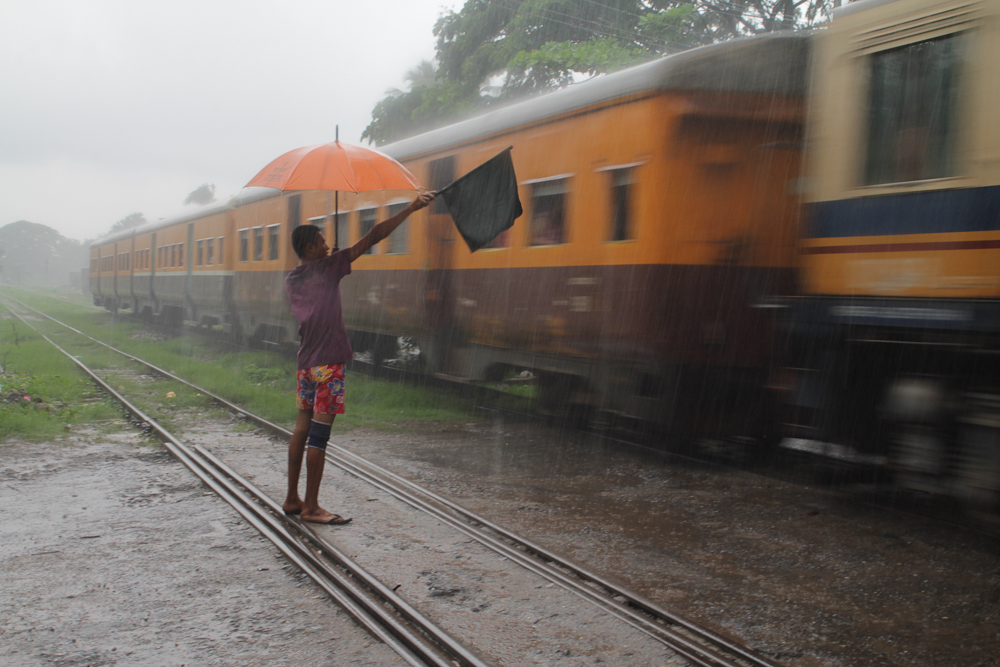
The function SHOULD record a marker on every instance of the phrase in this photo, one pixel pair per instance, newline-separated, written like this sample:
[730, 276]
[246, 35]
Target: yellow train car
[896, 334]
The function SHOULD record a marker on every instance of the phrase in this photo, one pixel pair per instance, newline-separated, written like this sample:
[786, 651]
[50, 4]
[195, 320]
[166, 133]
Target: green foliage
[267, 374]
[58, 395]
[556, 63]
[536, 45]
[422, 108]
[34, 254]
[128, 222]
[258, 381]
[203, 194]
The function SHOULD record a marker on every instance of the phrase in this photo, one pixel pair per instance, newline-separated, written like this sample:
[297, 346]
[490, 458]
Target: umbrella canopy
[335, 166]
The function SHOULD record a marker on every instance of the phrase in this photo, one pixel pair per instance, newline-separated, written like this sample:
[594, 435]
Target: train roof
[774, 63]
[244, 196]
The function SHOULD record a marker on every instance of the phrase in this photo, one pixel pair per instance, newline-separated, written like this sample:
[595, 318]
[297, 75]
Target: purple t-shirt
[314, 292]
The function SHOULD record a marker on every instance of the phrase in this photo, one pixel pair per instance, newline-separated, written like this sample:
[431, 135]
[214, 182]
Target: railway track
[698, 645]
[836, 476]
[417, 640]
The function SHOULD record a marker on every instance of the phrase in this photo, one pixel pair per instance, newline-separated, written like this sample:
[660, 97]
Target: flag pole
[336, 200]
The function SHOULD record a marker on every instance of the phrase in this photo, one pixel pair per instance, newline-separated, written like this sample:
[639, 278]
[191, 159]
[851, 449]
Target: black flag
[484, 202]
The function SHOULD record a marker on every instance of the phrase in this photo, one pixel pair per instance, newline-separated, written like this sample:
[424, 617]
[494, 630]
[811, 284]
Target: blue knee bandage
[319, 435]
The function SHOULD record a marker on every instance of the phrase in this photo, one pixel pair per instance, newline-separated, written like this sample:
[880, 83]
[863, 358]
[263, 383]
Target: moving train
[894, 348]
[787, 236]
[659, 225]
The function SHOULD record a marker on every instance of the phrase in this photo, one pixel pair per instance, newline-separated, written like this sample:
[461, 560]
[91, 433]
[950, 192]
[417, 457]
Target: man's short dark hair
[302, 237]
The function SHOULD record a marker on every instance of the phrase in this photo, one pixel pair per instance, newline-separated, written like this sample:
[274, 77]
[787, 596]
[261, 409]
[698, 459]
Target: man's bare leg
[315, 462]
[296, 447]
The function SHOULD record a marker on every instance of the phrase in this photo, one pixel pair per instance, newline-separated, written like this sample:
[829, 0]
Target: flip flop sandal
[335, 520]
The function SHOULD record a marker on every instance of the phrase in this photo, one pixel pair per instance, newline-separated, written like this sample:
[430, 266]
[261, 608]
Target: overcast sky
[117, 106]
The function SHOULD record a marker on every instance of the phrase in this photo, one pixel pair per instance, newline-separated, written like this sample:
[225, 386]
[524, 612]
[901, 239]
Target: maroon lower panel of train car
[691, 345]
[664, 314]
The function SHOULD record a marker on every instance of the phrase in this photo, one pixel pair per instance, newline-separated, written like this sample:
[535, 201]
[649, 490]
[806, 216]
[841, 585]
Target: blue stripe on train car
[951, 314]
[934, 212]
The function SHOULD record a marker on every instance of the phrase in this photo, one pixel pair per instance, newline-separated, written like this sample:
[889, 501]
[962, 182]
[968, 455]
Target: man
[314, 292]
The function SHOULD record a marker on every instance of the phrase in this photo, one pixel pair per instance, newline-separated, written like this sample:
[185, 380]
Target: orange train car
[660, 223]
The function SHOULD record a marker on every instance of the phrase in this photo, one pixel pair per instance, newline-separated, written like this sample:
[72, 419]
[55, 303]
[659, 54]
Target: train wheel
[921, 412]
[384, 348]
[562, 398]
[977, 465]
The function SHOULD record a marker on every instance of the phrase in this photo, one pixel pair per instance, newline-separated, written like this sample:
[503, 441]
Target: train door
[152, 275]
[114, 278]
[439, 290]
[133, 302]
[189, 255]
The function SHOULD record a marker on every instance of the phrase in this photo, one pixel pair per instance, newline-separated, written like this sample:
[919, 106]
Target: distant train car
[896, 338]
[660, 221]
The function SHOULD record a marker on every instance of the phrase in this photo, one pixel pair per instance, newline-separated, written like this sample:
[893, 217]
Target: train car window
[442, 173]
[209, 251]
[199, 258]
[548, 212]
[621, 189]
[343, 236]
[366, 220]
[258, 243]
[221, 246]
[244, 245]
[399, 240]
[912, 119]
[294, 212]
[180, 254]
[173, 255]
[272, 242]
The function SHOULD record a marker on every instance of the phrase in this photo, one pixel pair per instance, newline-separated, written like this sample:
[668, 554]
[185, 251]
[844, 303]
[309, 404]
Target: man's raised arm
[386, 227]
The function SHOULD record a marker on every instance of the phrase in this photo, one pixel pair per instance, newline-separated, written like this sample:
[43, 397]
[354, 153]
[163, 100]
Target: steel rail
[400, 605]
[358, 602]
[636, 610]
[515, 547]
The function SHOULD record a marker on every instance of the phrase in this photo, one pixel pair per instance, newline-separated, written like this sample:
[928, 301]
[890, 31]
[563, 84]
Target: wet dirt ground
[806, 576]
[112, 553]
[502, 612]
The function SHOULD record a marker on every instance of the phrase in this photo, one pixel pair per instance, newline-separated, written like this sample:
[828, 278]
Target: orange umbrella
[335, 166]
[338, 167]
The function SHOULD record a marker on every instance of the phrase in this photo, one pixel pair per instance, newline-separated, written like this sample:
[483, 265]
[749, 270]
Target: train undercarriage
[920, 399]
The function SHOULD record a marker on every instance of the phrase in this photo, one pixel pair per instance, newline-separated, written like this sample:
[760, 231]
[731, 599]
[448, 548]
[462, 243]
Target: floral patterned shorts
[321, 389]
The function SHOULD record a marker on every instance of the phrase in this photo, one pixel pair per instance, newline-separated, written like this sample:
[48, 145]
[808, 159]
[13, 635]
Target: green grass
[42, 392]
[259, 381]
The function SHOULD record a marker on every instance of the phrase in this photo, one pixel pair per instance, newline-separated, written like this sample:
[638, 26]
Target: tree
[128, 222]
[203, 194]
[494, 51]
[35, 254]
